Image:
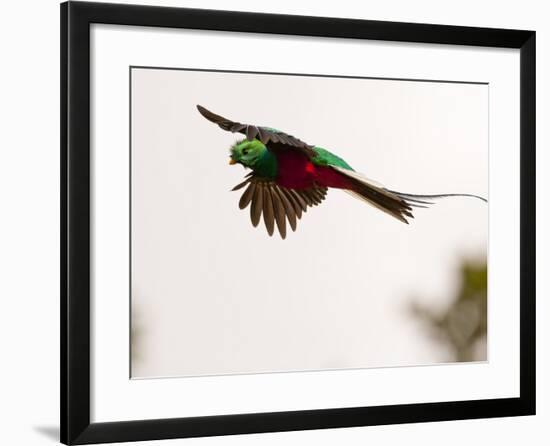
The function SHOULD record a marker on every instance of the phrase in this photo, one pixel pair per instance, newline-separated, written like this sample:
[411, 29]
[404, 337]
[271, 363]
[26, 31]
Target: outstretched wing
[277, 204]
[271, 138]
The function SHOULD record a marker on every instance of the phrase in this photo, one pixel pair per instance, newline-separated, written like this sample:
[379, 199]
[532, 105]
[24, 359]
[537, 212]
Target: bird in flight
[288, 176]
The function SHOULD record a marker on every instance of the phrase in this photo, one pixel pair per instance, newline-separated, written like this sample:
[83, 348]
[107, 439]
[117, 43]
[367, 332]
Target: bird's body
[294, 170]
[288, 176]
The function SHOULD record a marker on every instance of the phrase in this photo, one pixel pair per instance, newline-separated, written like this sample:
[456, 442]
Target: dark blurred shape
[462, 326]
[136, 336]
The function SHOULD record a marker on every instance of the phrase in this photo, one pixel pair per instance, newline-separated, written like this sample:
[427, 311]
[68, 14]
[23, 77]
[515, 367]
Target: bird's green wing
[273, 139]
[277, 204]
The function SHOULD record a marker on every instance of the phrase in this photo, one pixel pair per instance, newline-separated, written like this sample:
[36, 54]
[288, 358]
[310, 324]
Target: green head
[247, 153]
[254, 155]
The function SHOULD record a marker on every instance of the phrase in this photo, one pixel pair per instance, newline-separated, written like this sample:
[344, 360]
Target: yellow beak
[232, 161]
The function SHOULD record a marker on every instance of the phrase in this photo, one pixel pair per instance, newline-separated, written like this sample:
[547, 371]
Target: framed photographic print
[275, 222]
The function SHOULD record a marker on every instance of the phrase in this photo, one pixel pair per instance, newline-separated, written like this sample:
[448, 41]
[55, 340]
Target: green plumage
[325, 158]
[254, 154]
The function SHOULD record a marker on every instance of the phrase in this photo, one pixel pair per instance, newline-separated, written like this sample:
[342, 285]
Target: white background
[29, 180]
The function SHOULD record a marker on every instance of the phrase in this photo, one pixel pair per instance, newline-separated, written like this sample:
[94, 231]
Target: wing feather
[269, 218]
[257, 205]
[288, 207]
[295, 204]
[279, 211]
[241, 185]
[273, 139]
[251, 132]
[247, 195]
[263, 135]
[300, 199]
[237, 127]
[277, 204]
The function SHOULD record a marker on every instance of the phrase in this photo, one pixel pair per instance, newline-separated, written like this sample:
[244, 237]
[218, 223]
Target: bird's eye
[245, 151]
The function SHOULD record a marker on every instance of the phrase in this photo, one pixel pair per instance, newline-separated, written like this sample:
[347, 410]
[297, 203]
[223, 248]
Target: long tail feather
[415, 197]
[397, 204]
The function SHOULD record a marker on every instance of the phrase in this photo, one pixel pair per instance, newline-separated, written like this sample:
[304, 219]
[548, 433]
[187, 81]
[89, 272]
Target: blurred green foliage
[462, 326]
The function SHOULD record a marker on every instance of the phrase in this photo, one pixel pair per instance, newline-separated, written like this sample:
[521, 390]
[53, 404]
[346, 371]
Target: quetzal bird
[289, 175]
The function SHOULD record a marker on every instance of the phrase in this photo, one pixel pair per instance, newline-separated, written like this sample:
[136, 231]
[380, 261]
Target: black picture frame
[76, 18]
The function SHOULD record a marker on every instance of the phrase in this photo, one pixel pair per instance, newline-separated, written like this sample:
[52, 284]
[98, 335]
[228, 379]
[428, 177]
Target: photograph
[286, 222]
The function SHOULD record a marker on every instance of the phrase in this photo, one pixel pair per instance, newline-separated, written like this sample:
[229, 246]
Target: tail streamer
[422, 198]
